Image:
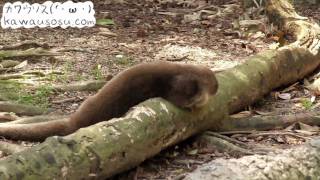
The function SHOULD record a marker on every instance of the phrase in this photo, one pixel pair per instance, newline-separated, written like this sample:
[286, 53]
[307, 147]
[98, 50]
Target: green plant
[26, 98]
[66, 68]
[123, 60]
[79, 77]
[39, 97]
[10, 90]
[306, 103]
[96, 72]
[52, 77]
[13, 91]
[105, 22]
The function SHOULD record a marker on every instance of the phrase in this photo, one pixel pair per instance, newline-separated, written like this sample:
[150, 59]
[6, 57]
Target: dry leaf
[241, 114]
[106, 32]
[313, 87]
[21, 65]
[263, 113]
[284, 96]
[193, 152]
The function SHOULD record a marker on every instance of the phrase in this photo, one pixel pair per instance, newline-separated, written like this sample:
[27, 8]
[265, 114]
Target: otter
[186, 86]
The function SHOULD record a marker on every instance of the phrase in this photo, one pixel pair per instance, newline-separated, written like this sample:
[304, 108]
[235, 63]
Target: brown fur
[187, 86]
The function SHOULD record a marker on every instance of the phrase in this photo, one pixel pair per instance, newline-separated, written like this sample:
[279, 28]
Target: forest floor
[145, 32]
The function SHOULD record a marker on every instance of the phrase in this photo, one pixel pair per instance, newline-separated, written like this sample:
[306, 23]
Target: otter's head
[192, 89]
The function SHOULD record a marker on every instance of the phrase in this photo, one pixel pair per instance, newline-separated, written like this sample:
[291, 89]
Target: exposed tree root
[20, 109]
[28, 74]
[4, 117]
[8, 63]
[65, 100]
[226, 144]
[278, 133]
[26, 53]
[306, 34]
[36, 119]
[262, 123]
[81, 86]
[25, 45]
[74, 49]
[223, 145]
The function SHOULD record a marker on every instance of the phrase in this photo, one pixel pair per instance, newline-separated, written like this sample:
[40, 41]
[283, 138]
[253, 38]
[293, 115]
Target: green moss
[306, 103]
[9, 90]
[40, 97]
[14, 91]
[97, 72]
[123, 60]
[67, 67]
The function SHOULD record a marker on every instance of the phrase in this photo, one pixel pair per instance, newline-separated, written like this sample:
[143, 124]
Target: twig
[278, 133]
[65, 100]
[227, 138]
[25, 45]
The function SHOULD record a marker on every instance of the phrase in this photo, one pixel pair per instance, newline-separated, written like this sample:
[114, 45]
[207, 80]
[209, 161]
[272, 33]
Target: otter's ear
[213, 85]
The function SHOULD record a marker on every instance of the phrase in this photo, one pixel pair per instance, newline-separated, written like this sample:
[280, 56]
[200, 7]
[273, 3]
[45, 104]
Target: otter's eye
[191, 88]
[185, 86]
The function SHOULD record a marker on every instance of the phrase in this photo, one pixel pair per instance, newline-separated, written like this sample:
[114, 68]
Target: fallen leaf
[313, 87]
[106, 32]
[241, 114]
[105, 22]
[263, 113]
[21, 65]
[280, 139]
[193, 152]
[284, 96]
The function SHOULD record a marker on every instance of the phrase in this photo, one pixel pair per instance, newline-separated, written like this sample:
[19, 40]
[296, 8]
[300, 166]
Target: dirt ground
[144, 32]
